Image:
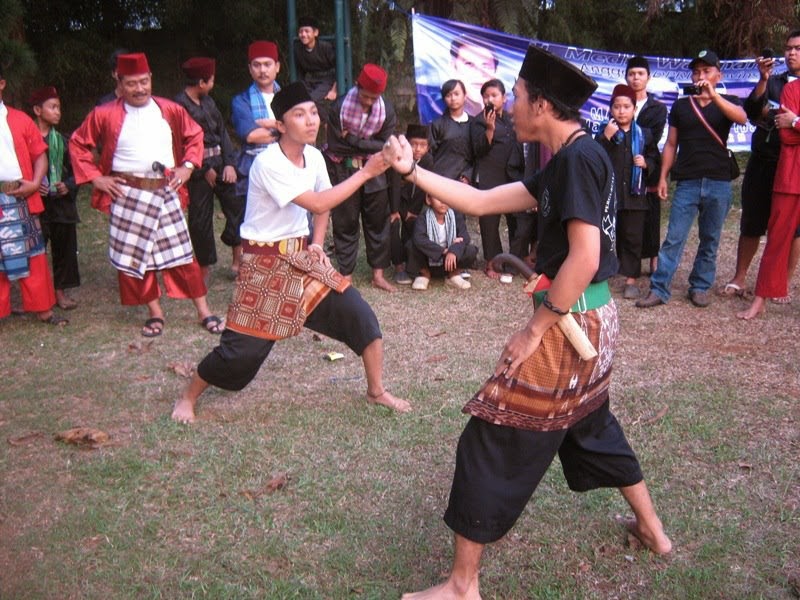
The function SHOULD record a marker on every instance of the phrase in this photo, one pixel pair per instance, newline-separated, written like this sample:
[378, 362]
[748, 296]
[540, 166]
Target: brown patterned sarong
[275, 294]
[554, 388]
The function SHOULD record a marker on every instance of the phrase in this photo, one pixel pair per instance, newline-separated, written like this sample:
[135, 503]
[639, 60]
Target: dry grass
[164, 511]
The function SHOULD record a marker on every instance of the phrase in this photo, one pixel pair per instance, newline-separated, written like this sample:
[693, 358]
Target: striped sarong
[148, 232]
[275, 294]
[554, 388]
[20, 237]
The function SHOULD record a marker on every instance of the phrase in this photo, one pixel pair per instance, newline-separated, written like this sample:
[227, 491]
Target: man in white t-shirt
[285, 283]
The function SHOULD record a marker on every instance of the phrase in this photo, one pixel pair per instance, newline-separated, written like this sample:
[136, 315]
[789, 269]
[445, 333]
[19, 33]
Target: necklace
[572, 136]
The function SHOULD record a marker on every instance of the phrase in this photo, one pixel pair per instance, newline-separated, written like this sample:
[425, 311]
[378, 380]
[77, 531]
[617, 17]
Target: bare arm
[573, 277]
[667, 160]
[511, 197]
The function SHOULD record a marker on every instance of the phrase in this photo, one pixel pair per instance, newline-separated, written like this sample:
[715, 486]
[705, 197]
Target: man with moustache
[149, 148]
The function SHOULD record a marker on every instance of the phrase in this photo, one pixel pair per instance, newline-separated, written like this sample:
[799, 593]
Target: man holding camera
[697, 158]
[762, 108]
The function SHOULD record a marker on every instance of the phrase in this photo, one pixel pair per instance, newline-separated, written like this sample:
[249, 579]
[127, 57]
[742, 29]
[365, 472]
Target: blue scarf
[637, 143]
[259, 108]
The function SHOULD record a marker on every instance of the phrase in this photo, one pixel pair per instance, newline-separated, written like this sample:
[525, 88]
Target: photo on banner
[445, 49]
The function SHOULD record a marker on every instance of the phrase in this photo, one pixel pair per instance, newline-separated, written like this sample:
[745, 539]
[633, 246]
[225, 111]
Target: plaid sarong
[148, 232]
[275, 294]
[20, 237]
[554, 388]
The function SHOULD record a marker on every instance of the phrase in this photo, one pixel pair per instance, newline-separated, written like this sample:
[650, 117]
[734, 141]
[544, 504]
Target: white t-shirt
[145, 137]
[9, 164]
[275, 181]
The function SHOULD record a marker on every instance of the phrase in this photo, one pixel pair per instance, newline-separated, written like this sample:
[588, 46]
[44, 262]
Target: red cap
[199, 67]
[623, 90]
[41, 95]
[372, 78]
[261, 49]
[132, 64]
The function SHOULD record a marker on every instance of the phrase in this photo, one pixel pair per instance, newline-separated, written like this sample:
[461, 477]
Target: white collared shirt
[9, 163]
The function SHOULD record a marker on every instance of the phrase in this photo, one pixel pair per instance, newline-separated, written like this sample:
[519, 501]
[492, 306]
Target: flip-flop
[731, 289]
[153, 327]
[213, 324]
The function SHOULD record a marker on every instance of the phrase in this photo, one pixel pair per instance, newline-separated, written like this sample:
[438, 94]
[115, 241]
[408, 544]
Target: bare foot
[491, 273]
[655, 541]
[381, 284]
[756, 308]
[446, 591]
[386, 399]
[183, 411]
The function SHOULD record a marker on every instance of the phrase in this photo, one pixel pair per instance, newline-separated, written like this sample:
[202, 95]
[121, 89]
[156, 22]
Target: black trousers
[651, 242]
[630, 230]
[489, 226]
[399, 235]
[201, 216]
[345, 317]
[63, 239]
[372, 208]
[524, 236]
[417, 260]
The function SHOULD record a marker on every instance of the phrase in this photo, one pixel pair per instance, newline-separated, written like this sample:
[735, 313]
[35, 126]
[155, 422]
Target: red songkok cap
[41, 95]
[262, 49]
[199, 67]
[623, 90]
[132, 64]
[372, 78]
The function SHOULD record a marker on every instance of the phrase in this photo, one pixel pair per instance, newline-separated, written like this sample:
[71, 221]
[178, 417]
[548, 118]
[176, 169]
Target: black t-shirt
[577, 183]
[700, 155]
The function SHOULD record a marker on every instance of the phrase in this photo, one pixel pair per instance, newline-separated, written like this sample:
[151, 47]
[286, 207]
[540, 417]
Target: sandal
[153, 327]
[53, 319]
[213, 324]
[731, 289]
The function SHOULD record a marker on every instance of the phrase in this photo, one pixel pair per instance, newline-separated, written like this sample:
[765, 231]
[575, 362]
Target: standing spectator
[407, 202]
[251, 115]
[762, 107]
[498, 160]
[23, 164]
[633, 155]
[217, 174]
[358, 125]
[59, 192]
[315, 60]
[703, 174]
[148, 232]
[452, 153]
[650, 114]
[784, 218]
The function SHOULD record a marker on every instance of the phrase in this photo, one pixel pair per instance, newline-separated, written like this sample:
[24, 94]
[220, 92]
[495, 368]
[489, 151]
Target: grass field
[296, 488]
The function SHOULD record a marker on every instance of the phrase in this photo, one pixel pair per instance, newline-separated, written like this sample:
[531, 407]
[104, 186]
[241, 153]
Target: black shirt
[765, 142]
[501, 161]
[577, 183]
[699, 154]
[452, 155]
[207, 115]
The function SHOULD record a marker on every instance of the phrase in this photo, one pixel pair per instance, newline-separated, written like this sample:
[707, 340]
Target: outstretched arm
[511, 197]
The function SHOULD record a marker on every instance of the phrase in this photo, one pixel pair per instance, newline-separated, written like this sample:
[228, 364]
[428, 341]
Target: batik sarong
[148, 232]
[275, 294]
[554, 388]
[20, 237]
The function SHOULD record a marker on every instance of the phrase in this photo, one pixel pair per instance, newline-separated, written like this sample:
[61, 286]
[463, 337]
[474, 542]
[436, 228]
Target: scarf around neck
[449, 230]
[55, 158]
[637, 143]
[352, 113]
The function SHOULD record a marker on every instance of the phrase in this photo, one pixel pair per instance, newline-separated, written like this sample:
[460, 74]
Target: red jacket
[28, 145]
[787, 176]
[102, 128]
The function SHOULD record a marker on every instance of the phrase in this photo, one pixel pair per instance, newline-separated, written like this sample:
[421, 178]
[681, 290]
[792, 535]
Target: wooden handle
[573, 332]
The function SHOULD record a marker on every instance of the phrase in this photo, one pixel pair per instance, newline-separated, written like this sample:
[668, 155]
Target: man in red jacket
[23, 164]
[150, 146]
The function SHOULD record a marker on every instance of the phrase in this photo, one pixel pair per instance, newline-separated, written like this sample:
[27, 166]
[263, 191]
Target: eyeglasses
[788, 49]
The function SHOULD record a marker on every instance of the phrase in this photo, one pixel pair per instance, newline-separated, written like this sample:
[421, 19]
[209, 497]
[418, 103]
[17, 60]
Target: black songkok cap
[416, 130]
[556, 77]
[637, 62]
[288, 97]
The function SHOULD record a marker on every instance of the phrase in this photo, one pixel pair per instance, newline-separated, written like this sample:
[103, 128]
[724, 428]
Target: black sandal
[213, 324]
[153, 327]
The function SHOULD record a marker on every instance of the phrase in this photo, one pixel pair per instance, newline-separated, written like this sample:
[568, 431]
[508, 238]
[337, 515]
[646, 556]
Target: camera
[767, 53]
[692, 90]
[488, 109]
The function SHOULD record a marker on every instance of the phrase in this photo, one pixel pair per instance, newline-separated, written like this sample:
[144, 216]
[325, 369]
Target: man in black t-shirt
[703, 174]
[542, 398]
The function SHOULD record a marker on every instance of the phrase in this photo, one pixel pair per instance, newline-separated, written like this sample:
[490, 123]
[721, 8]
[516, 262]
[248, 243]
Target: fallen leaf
[659, 415]
[436, 358]
[434, 334]
[83, 436]
[140, 347]
[316, 337]
[744, 465]
[183, 369]
[91, 543]
[276, 483]
[21, 440]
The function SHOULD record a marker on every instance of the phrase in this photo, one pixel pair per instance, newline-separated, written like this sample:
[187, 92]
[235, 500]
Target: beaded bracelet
[549, 306]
